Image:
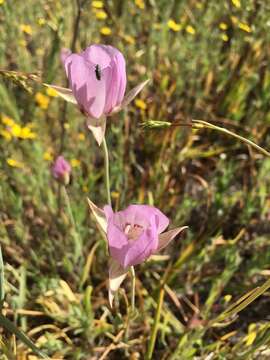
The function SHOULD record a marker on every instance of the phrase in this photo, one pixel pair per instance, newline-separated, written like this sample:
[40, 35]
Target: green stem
[204, 124]
[154, 331]
[133, 280]
[77, 239]
[107, 171]
[2, 281]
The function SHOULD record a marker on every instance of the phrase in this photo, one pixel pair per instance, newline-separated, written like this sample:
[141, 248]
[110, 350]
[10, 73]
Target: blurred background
[206, 60]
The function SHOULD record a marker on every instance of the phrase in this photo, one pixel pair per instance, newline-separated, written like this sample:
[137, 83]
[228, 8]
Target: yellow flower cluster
[140, 4]
[14, 163]
[236, 3]
[27, 29]
[140, 104]
[105, 30]
[42, 100]
[174, 26]
[14, 130]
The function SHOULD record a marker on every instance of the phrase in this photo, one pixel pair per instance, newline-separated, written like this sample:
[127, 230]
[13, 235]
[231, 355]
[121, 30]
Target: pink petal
[98, 55]
[99, 215]
[98, 128]
[64, 54]
[165, 238]
[133, 93]
[87, 89]
[140, 214]
[116, 276]
[131, 252]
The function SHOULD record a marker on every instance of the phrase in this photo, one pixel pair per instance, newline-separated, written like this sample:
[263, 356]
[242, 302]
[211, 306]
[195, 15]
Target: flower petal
[88, 90]
[98, 128]
[99, 215]
[133, 93]
[165, 238]
[65, 93]
[64, 54]
[116, 276]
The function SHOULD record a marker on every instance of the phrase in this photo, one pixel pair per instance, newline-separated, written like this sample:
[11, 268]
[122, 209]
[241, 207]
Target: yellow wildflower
[174, 26]
[27, 29]
[27, 133]
[97, 4]
[48, 156]
[129, 39]
[105, 31]
[227, 298]
[7, 120]
[223, 26]
[225, 37]
[140, 104]
[140, 4]
[81, 136]
[75, 163]
[6, 134]
[101, 15]
[51, 92]
[42, 100]
[2, 2]
[244, 27]
[236, 3]
[66, 125]
[15, 130]
[41, 21]
[14, 163]
[190, 29]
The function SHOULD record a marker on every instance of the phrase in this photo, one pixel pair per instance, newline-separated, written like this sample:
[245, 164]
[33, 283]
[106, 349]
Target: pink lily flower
[133, 235]
[97, 79]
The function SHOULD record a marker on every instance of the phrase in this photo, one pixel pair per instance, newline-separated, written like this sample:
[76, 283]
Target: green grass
[213, 183]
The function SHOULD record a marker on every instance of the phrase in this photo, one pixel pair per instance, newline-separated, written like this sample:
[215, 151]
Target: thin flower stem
[155, 326]
[204, 124]
[154, 330]
[77, 239]
[133, 281]
[107, 171]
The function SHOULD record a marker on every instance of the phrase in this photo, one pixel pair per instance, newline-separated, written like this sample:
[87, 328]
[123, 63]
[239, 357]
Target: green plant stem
[107, 171]
[154, 331]
[77, 239]
[204, 124]
[2, 281]
[133, 281]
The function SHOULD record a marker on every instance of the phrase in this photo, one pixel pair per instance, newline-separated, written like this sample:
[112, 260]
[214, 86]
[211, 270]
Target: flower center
[133, 232]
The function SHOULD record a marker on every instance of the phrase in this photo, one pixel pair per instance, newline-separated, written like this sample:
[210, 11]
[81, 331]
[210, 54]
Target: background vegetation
[206, 60]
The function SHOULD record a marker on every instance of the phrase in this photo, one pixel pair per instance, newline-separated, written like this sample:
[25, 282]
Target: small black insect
[98, 72]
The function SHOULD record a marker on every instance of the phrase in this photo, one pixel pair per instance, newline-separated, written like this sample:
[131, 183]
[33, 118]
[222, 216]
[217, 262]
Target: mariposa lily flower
[61, 170]
[133, 235]
[97, 79]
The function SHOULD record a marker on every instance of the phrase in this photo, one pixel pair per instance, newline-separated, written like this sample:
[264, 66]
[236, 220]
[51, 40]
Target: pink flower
[133, 235]
[61, 170]
[97, 78]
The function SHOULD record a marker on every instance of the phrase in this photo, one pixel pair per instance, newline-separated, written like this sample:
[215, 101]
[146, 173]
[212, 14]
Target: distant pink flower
[97, 78]
[61, 170]
[133, 235]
